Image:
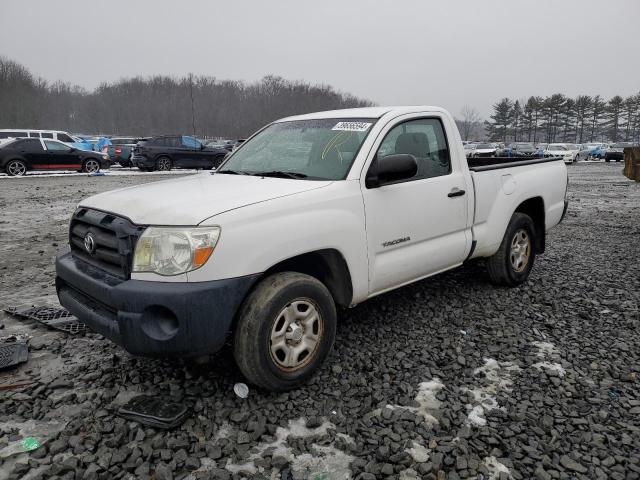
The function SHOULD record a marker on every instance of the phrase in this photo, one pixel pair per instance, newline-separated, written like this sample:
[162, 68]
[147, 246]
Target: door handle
[456, 192]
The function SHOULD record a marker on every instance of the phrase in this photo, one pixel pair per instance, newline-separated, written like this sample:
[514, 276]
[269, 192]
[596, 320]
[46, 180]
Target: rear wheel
[286, 328]
[163, 164]
[90, 165]
[512, 263]
[16, 168]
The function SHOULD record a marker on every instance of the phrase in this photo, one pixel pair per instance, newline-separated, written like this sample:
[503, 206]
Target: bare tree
[470, 120]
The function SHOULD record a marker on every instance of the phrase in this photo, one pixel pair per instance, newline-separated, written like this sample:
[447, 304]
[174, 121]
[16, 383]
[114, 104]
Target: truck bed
[481, 164]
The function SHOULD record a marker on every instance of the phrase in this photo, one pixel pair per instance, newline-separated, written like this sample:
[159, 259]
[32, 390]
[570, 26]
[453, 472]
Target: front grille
[113, 240]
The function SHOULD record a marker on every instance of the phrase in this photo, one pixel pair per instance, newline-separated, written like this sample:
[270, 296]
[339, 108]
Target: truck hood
[190, 200]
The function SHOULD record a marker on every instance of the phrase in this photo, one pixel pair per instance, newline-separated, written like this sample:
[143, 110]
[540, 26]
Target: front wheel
[16, 168]
[512, 263]
[91, 166]
[286, 328]
[163, 164]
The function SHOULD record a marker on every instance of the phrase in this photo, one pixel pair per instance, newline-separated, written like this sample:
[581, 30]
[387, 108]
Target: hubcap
[520, 250]
[163, 164]
[295, 334]
[92, 166]
[17, 168]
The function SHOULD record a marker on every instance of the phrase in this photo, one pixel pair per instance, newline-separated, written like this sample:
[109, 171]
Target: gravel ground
[450, 378]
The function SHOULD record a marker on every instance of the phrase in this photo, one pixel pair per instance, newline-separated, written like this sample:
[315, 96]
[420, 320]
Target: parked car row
[22, 150]
[570, 152]
[20, 155]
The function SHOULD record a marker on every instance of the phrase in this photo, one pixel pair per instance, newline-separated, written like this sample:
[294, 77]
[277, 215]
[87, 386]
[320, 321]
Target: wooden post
[632, 163]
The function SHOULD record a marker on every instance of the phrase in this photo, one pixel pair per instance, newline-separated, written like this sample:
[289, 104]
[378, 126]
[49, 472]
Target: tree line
[160, 104]
[559, 118]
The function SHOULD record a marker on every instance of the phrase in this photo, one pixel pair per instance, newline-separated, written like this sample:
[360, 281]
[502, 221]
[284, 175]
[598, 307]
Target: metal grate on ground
[13, 350]
[53, 317]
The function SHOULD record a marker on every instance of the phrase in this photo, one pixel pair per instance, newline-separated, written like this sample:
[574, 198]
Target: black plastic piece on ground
[154, 411]
[53, 317]
[13, 353]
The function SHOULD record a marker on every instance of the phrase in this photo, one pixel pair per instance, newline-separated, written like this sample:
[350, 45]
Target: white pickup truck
[312, 212]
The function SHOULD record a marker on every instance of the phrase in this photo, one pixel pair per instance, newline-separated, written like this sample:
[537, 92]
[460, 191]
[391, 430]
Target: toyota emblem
[89, 243]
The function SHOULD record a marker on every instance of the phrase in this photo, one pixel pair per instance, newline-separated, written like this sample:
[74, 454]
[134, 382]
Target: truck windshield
[321, 149]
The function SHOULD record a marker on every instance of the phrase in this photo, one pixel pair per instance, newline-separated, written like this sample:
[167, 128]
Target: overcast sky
[446, 52]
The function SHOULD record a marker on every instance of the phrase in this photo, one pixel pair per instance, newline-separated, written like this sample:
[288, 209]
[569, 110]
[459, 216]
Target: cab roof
[365, 112]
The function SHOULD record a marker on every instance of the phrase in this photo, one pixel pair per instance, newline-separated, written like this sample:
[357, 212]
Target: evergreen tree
[613, 113]
[498, 127]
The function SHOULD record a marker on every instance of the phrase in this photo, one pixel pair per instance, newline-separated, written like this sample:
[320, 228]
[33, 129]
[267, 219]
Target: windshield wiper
[281, 174]
[232, 172]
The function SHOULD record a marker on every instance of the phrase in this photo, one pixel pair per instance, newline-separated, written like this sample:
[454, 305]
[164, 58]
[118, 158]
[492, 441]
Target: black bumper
[142, 161]
[151, 318]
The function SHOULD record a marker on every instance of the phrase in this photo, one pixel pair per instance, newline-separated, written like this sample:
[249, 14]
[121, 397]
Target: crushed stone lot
[449, 378]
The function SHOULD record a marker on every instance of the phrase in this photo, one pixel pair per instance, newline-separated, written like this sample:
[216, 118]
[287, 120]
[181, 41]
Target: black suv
[176, 151]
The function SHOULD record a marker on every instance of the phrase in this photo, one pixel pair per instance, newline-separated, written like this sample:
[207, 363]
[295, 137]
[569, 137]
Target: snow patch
[426, 400]
[409, 474]
[545, 349]
[328, 460]
[554, 367]
[498, 376]
[419, 453]
[495, 468]
[325, 458]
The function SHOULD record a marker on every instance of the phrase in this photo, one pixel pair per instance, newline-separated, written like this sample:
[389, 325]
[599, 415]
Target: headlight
[174, 250]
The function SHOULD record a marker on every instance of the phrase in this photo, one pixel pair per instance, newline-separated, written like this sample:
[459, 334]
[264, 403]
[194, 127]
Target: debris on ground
[57, 318]
[154, 412]
[13, 350]
[27, 436]
[241, 390]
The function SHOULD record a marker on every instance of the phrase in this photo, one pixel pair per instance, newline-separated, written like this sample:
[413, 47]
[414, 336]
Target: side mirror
[390, 169]
[72, 149]
[202, 146]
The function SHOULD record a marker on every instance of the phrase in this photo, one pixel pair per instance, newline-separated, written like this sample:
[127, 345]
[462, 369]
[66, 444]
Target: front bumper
[564, 210]
[151, 318]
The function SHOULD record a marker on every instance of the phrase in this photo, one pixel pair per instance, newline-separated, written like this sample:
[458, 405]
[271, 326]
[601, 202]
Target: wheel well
[328, 266]
[534, 207]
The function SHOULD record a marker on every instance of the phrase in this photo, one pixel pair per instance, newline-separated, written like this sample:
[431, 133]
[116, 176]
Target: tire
[163, 164]
[91, 165]
[16, 168]
[262, 319]
[218, 161]
[510, 267]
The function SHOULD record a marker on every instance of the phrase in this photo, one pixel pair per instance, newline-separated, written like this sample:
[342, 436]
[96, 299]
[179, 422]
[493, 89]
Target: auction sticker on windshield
[352, 126]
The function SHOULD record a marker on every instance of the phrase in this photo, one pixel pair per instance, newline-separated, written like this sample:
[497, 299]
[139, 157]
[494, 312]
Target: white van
[54, 134]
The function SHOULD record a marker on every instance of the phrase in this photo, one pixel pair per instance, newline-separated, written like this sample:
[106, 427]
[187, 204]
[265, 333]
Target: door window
[54, 146]
[31, 145]
[13, 134]
[190, 142]
[47, 135]
[63, 137]
[424, 139]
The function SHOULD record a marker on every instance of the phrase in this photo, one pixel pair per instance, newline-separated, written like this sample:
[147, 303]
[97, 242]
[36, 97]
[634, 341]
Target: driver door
[61, 156]
[419, 226]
